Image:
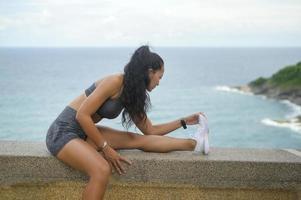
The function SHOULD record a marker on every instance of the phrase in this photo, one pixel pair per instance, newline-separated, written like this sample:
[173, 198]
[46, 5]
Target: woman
[75, 139]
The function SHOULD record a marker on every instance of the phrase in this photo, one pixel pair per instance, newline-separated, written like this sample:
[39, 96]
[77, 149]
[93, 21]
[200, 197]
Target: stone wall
[28, 171]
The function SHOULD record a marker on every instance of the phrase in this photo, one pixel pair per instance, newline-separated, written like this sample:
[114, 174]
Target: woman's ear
[150, 71]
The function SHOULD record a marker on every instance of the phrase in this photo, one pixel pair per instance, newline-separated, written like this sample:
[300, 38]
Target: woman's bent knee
[100, 171]
[80, 155]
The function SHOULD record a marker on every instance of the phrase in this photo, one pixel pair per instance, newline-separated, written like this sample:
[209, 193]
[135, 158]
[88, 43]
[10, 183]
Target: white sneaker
[201, 136]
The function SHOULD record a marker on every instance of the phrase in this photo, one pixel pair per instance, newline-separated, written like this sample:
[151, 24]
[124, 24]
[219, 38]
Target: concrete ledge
[274, 170]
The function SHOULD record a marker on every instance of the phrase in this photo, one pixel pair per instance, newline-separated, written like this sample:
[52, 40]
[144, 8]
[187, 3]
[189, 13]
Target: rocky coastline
[293, 96]
[283, 85]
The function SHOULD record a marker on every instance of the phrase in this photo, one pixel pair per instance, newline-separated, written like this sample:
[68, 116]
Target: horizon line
[160, 46]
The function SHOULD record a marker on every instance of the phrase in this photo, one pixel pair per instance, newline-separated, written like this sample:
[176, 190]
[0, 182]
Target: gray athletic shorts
[64, 128]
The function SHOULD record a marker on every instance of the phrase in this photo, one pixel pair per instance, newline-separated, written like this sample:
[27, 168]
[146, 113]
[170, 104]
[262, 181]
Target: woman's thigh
[119, 139]
[78, 154]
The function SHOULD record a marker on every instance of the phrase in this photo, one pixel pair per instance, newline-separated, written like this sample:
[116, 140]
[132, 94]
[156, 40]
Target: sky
[204, 23]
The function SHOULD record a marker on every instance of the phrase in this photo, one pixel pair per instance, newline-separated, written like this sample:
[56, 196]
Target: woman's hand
[115, 159]
[193, 119]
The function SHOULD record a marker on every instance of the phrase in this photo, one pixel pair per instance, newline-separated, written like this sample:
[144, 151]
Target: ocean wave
[295, 110]
[290, 120]
[225, 88]
[293, 123]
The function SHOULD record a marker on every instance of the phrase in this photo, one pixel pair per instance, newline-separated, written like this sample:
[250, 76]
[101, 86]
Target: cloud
[170, 22]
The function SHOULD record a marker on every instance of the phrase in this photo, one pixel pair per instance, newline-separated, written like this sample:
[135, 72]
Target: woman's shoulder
[116, 78]
[114, 82]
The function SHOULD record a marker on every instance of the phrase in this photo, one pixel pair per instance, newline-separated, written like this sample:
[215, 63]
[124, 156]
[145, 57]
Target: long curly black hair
[134, 95]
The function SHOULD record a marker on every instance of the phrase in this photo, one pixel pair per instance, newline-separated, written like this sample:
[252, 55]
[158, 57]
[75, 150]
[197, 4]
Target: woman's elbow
[79, 116]
[149, 132]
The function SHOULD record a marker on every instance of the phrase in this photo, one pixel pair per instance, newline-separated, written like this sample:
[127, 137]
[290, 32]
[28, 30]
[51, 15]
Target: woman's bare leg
[152, 143]
[80, 155]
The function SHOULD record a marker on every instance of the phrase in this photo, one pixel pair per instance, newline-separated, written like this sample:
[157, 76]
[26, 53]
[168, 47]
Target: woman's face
[154, 77]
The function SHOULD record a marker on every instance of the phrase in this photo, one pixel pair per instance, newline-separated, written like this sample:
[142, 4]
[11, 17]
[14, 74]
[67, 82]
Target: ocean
[37, 83]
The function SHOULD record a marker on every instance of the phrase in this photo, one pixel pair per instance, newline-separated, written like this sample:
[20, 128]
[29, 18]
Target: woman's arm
[165, 128]
[106, 88]
[148, 128]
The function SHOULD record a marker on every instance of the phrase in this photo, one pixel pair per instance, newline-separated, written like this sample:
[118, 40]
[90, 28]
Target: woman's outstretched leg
[161, 144]
[152, 143]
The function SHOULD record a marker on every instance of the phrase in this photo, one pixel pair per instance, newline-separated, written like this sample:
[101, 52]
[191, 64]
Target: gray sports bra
[110, 109]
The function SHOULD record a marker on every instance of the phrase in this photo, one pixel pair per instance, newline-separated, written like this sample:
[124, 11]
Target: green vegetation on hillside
[286, 78]
[258, 82]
